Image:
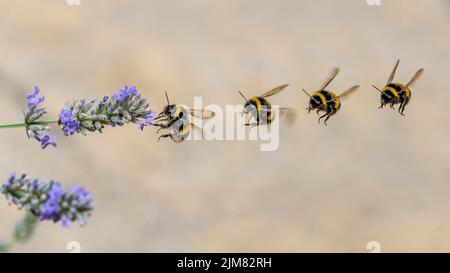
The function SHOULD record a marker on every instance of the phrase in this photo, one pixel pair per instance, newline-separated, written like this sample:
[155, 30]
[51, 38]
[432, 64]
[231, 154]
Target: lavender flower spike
[34, 126]
[48, 201]
[125, 106]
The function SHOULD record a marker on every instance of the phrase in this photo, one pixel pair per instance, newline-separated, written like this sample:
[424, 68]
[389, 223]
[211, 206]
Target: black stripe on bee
[388, 93]
[316, 102]
[397, 87]
[265, 111]
[265, 104]
[331, 104]
[327, 95]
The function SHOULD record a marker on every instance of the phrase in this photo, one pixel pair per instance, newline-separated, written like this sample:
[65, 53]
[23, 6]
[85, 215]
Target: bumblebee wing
[288, 114]
[349, 91]
[415, 77]
[202, 113]
[330, 78]
[391, 77]
[275, 90]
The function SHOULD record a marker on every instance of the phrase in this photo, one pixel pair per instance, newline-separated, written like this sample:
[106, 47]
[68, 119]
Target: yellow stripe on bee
[337, 101]
[404, 89]
[322, 98]
[186, 130]
[177, 111]
[393, 91]
[258, 104]
[271, 116]
[407, 92]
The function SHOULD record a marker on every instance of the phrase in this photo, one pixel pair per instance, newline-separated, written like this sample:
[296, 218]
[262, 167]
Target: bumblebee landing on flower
[397, 93]
[261, 110]
[178, 120]
[327, 101]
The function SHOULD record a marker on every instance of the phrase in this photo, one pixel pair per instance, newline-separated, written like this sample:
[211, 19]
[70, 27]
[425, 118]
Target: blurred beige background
[371, 175]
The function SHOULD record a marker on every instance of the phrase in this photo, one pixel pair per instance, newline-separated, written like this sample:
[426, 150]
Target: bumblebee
[177, 119]
[261, 110]
[397, 93]
[327, 101]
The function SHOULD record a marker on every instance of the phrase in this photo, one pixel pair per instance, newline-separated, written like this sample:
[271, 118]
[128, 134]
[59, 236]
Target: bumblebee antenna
[167, 98]
[243, 96]
[381, 91]
[307, 93]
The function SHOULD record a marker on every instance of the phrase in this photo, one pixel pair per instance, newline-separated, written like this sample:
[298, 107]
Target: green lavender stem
[22, 232]
[5, 246]
[21, 125]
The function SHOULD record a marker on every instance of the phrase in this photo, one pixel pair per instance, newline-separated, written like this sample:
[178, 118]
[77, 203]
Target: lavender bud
[32, 115]
[125, 106]
[47, 201]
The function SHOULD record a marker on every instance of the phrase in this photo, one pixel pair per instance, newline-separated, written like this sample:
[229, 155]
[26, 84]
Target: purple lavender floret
[50, 209]
[65, 115]
[125, 93]
[46, 141]
[33, 113]
[48, 201]
[70, 127]
[147, 121]
[33, 99]
[125, 106]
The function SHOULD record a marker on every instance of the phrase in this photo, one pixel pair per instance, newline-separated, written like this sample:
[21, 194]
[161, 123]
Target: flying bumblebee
[178, 120]
[327, 101]
[261, 110]
[397, 93]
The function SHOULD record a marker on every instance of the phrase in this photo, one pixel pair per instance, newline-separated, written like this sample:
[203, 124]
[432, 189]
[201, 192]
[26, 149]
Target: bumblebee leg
[400, 108]
[405, 103]
[165, 136]
[164, 119]
[157, 125]
[251, 125]
[403, 109]
[326, 114]
[161, 126]
[329, 115]
[309, 109]
[318, 111]
[159, 129]
[159, 116]
[381, 106]
[166, 125]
